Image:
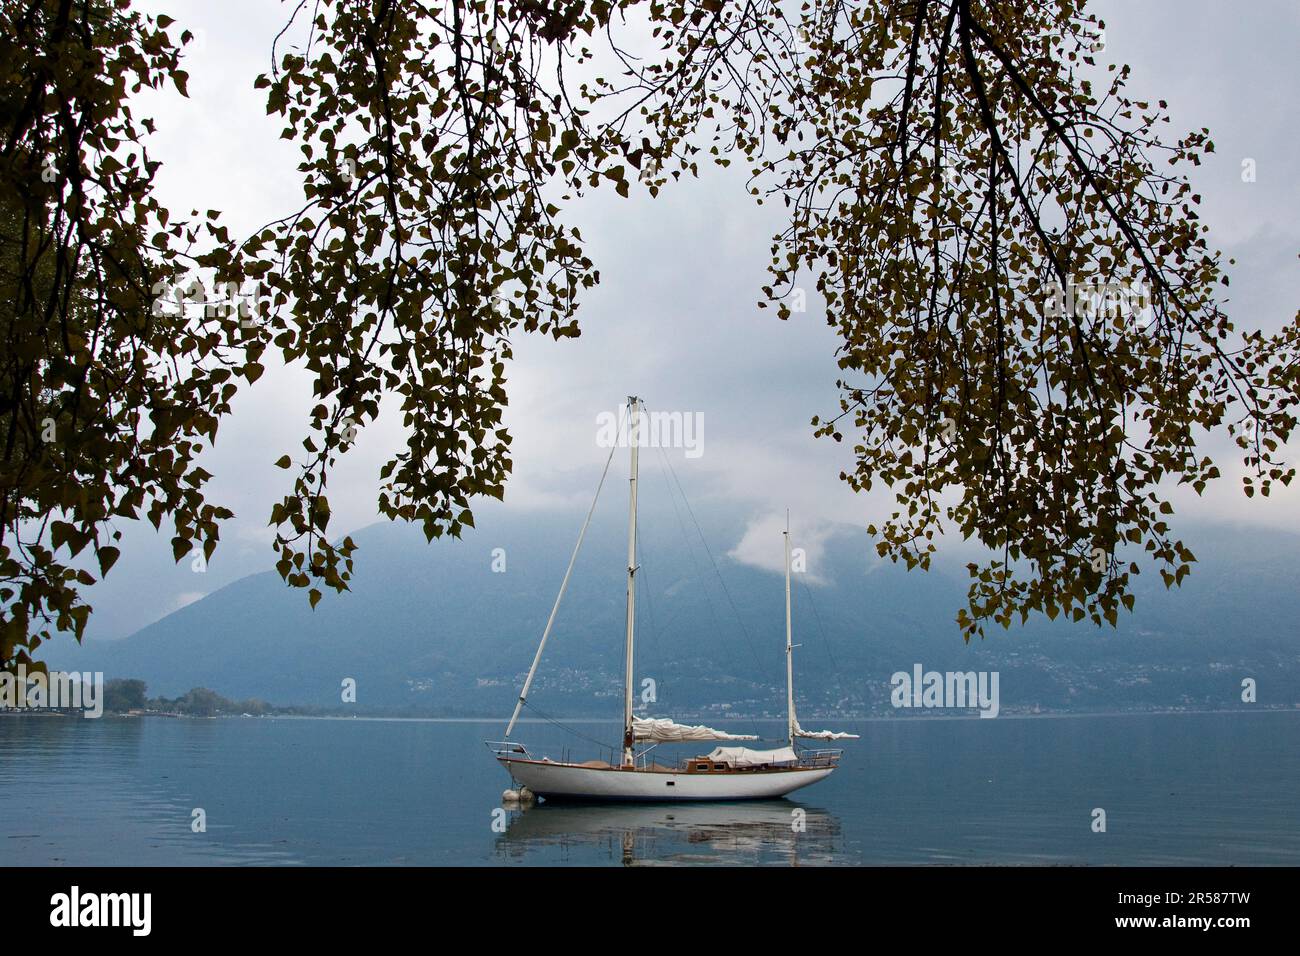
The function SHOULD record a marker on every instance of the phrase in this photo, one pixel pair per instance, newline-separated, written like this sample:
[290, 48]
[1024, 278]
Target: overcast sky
[674, 319]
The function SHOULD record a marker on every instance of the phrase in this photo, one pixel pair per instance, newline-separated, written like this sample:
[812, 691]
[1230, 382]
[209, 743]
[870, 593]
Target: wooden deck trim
[765, 768]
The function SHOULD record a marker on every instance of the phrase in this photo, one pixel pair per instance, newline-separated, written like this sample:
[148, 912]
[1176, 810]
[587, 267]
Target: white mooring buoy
[523, 796]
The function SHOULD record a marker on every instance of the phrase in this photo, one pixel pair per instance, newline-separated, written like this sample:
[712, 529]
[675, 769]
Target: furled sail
[663, 730]
[821, 734]
[744, 757]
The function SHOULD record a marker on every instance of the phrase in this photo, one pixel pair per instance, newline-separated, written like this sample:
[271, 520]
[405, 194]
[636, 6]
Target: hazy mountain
[432, 627]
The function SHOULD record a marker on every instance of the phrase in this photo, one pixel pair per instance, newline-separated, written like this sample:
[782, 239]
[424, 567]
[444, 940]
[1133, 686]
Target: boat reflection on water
[755, 832]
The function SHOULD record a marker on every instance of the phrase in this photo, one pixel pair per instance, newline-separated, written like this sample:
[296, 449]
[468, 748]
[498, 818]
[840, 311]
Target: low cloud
[761, 546]
[186, 598]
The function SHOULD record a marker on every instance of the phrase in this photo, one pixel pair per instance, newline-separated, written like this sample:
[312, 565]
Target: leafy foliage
[428, 237]
[1034, 337]
[996, 181]
[106, 395]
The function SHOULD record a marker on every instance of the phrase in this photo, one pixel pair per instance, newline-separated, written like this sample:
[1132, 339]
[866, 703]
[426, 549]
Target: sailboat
[725, 773]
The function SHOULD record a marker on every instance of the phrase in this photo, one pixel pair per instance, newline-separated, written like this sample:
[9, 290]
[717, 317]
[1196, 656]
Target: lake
[1193, 789]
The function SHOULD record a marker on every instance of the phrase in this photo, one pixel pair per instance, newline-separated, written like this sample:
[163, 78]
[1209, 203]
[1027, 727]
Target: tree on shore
[124, 694]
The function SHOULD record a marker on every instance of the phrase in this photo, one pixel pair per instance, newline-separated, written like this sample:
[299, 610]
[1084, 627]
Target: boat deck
[512, 752]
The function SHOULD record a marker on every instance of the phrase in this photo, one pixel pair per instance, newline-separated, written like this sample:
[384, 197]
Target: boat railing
[512, 749]
[819, 758]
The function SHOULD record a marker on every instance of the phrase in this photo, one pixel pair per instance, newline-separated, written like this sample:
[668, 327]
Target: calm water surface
[1177, 788]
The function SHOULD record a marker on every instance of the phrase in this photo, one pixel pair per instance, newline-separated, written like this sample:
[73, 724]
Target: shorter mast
[795, 729]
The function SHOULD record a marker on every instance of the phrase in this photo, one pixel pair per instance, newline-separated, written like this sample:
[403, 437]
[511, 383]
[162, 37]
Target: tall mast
[634, 420]
[789, 648]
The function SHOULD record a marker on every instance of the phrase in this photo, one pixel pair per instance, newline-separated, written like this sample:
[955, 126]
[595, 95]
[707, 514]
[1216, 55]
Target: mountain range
[449, 628]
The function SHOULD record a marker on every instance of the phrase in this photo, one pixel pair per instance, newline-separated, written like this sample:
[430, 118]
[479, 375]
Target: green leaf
[108, 556]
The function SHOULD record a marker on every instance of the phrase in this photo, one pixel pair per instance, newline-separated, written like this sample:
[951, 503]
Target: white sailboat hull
[574, 782]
